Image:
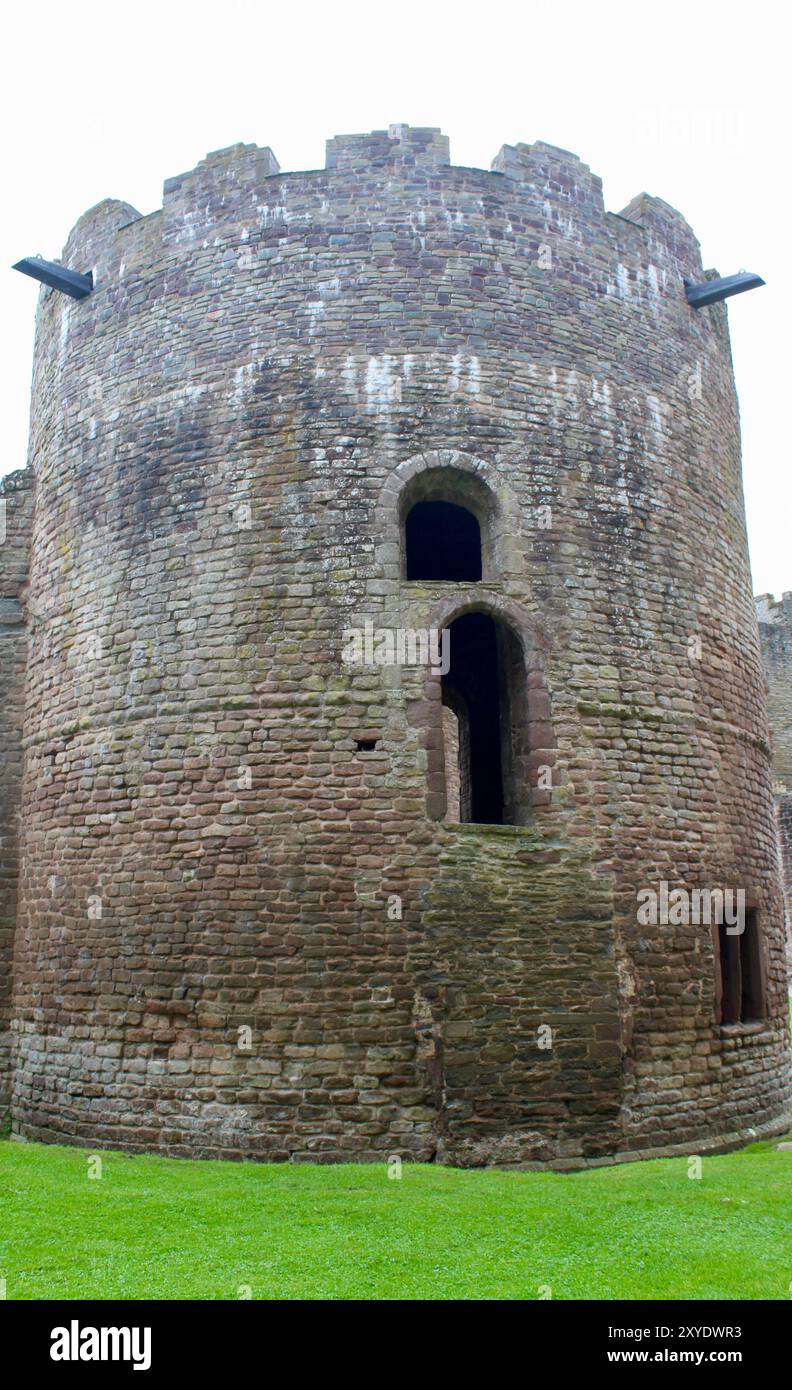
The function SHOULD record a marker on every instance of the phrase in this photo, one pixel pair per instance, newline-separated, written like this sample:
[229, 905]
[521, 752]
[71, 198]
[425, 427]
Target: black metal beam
[709, 291]
[56, 276]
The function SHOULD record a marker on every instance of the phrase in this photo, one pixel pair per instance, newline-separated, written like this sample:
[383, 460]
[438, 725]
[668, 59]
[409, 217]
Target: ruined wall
[775, 631]
[16, 510]
[222, 432]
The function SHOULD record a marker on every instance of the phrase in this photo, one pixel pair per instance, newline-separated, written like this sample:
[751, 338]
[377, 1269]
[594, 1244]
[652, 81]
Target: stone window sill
[476, 827]
[743, 1030]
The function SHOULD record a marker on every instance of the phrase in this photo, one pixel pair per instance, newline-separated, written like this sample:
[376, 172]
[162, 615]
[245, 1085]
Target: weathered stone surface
[222, 436]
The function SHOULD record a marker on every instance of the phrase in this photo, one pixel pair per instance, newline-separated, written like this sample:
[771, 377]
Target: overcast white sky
[688, 101]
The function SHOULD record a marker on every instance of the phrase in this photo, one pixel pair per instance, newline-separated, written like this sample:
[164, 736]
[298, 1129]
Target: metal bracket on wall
[709, 291]
[56, 276]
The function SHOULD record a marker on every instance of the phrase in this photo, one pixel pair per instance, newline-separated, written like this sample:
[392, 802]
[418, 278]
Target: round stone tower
[394, 718]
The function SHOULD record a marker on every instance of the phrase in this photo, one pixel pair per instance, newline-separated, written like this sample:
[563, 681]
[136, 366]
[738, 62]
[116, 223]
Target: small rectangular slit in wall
[365, 745]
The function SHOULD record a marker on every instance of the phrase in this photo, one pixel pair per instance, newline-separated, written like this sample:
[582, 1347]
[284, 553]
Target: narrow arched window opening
[442, 541]
[484, 723]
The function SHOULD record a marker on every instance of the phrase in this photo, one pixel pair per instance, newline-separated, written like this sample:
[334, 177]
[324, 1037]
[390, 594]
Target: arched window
[442, 541]
[485, 724]
[447, 530]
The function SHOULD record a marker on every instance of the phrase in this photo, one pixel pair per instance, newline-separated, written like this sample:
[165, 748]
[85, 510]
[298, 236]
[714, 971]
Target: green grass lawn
[164, 1228]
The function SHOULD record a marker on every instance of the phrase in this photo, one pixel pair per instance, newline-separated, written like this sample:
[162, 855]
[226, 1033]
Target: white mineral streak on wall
[383, 386]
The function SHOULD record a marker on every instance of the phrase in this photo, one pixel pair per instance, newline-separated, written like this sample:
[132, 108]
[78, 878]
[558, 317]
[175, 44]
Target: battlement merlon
[552, 172]
[92, 232]
[665, 228]
[231, 178]
[410, 146]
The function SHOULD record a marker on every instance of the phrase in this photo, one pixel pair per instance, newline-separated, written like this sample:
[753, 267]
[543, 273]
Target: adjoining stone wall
[775, 630]
[222, 432]
[783, 812]
[16, 510]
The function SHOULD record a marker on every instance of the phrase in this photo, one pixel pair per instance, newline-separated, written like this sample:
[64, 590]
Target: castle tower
[291, 884]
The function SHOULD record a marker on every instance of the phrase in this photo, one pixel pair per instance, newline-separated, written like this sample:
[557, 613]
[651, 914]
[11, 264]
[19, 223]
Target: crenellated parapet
[242, 190]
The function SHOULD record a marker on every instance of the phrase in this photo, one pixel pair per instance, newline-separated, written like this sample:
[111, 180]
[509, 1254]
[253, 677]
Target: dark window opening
[442, 541]
[365, 745]
[483, 720]
[740, 963]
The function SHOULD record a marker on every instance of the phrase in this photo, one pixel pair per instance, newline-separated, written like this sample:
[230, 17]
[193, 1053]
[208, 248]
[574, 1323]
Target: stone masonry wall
[240, 933]
[16, 510]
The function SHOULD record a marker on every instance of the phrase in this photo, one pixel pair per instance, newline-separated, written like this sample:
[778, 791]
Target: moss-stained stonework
[221, 435]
